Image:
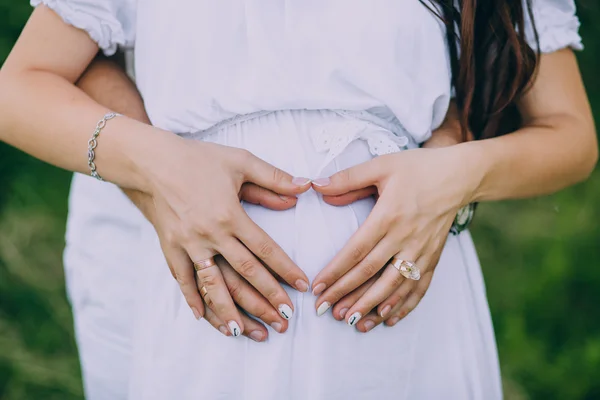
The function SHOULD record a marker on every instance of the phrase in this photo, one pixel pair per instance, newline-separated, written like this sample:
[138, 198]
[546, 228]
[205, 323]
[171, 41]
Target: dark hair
[492, 63]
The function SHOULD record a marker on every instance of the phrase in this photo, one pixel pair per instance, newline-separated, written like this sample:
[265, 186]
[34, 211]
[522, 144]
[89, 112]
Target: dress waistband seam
[364, 115]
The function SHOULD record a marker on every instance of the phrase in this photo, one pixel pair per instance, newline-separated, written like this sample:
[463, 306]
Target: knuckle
[266, 250]
[223, 217]
[264, 314]
[420, 293]
[369, 269]
[247, 268]
[170, 238]
[403, 312]
[180, 278]
[344, 175]
[357, 253]
[278, 175]
[397, 299]
[187, 233]
[235, 290]
[209, 281]
[336, 295]
[272, 294]
[221, 308]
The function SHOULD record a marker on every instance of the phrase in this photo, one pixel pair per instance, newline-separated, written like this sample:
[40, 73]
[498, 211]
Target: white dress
[311, 87]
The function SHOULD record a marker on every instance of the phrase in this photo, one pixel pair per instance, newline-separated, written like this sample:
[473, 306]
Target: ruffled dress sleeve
[557, 25]
[110, 23]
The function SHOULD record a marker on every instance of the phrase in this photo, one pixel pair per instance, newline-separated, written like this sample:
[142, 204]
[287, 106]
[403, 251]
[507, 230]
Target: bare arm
[556, 147]
[45, 115]
[108, 84]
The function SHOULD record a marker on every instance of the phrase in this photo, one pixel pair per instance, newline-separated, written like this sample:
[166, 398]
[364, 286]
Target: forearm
[556, 147]
[45, 115]
[107, 83]
[539, 159]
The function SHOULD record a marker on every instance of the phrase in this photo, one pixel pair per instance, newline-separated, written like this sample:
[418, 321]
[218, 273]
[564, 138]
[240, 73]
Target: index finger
[265, 248]
[266, 175]
[360, 244]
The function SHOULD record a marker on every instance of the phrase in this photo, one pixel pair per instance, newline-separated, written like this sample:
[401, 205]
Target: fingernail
[300, 181]
[285, 311]
[369, 325]
[257, 336]
[354, 318]
[394, 321]
[234, 328]
[385, 311]
[224, 330]
[285, 198]
[323, 308]
[277, 326]
[196, 313]
[343, 312]
[319, 289]
[302, 286]
[321, 182]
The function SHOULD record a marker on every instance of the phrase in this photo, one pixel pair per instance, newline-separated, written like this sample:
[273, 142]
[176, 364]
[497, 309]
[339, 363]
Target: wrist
[138, 148]
[472, 165]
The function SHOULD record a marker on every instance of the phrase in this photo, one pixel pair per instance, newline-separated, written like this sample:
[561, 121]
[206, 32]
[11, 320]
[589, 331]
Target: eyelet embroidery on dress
[381, 136]
[335, 136]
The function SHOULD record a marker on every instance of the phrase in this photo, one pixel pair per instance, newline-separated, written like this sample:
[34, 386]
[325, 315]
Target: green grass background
[541, 260]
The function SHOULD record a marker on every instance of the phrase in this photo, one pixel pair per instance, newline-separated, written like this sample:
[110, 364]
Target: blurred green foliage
[539, 258]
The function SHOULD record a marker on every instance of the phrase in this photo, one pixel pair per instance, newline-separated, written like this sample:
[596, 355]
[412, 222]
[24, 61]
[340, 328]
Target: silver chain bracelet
[93, 143]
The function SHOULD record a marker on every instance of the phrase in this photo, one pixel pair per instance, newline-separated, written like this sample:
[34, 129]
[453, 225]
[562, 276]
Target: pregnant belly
[318, 357]
[313, 231]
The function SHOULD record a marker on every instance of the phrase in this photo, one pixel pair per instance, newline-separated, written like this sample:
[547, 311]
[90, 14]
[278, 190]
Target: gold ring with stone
[408, 269]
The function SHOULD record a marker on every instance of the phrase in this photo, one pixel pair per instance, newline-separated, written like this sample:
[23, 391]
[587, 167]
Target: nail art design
[354, 318]
[234, 328]
[323, 308]
[285, 311]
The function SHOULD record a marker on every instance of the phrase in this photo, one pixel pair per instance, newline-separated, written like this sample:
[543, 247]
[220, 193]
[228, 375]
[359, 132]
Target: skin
[555, 148]
[43, 113]
[106, 82]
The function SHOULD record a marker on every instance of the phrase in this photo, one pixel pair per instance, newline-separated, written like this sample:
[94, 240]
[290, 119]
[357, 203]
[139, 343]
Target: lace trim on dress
[382, 137]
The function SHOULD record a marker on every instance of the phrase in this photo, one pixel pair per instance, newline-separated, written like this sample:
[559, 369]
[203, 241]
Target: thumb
[358, 177]
[269, 177]
[251, 193]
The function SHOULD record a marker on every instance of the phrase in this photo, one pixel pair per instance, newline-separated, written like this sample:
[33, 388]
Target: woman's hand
[246, 298]
[411, 220]
[195, 188]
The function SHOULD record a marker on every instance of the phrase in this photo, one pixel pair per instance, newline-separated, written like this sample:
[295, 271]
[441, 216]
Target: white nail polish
[234, 328]
[323, 308]
[285, 311]
[354, 318]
